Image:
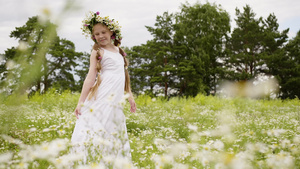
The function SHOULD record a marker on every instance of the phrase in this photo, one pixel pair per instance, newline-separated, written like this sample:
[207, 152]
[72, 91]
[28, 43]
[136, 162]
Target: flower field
[183, 133]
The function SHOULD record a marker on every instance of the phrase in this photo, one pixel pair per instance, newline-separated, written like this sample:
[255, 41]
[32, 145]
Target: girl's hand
[77, 111]
[132, 105]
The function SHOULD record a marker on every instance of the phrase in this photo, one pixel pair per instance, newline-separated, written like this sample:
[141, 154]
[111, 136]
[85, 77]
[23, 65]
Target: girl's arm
[130, 95]
[131, 101]
[88, 82]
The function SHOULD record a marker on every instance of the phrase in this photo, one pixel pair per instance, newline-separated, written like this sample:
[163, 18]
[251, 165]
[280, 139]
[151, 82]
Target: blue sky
[132, 15]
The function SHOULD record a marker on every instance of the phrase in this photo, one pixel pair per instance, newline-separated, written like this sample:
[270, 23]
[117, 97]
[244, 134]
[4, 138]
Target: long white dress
[100, 131]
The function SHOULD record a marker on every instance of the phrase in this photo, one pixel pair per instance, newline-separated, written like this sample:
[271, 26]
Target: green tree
[81, 70]
[289, 70]
[152, 63]
[140, 69]
[257, 47]
[273, 43]
[274, 53]
[163, 65]
[60, 66]
[183, 57]
[201, 31]
[51, 67]
[245, 46]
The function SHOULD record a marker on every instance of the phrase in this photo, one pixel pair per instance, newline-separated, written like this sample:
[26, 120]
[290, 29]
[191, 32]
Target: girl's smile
[102, 34]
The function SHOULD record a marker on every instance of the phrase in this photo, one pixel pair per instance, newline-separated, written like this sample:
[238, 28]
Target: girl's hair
[126, 63]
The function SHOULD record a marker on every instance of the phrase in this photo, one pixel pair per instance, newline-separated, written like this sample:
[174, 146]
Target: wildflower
[238, 163]
[123, 100]
[61, 132]
[10, 64]
[5, 157]
[285, 143]
[179, 149]
[149, 147]
[280, 160]
[32, 129]
[192, 127]
[111, 97]
[219, 145]
[123, 163]
[184, 154]
[46, 130]
[49, 149]
[206, 147]
[205, 161]
[22, 45]
[296, 139]
[165, 159]
[276, 132]
[91, 109]
[12, 140]
[180, 166]
[220, 166]
[22, 165]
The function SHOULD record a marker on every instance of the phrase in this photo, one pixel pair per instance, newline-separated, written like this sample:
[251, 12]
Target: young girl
[100, 129]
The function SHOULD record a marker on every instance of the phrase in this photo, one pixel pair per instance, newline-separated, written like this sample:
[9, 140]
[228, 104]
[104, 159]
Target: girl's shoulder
[113, 49]
[99, 51]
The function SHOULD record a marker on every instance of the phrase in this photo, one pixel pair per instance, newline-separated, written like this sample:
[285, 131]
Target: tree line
[191, 52]
[43, 60]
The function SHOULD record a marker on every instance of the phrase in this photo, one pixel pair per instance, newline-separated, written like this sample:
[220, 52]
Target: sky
[133, 16]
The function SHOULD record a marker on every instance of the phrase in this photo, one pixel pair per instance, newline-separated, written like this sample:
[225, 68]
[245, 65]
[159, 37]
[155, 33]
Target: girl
[100, 129]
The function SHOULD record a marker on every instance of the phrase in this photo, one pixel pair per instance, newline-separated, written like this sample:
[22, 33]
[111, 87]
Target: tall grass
[200, 132]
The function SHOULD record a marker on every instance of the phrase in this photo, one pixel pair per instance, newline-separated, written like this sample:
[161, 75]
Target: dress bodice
[112, 63]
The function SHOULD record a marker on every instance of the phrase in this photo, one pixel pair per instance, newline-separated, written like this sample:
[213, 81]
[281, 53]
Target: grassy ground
[200, 132]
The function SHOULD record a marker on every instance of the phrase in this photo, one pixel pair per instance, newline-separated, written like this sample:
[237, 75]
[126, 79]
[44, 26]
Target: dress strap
[111, 51]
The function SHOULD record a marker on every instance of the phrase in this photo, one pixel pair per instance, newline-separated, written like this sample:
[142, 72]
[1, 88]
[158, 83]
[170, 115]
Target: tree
[161, 46]
[42, 59]
[245, 46]
[183, 55]
[60, 65]
[289, 71]
[257, 47]
[200, 35]
[153, 62]
[276, 61]
[140, 69]
[81, 70]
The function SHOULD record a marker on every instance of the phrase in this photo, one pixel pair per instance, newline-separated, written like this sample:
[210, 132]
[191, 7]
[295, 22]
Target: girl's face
[102, 34]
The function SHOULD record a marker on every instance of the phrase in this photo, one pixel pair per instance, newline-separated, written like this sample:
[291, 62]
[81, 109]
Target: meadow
[183, 133]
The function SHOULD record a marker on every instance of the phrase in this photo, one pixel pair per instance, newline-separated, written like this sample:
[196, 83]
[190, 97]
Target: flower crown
[94, 18]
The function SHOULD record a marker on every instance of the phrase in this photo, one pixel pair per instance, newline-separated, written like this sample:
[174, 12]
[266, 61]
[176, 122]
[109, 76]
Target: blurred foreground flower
[250, 89]
[10, 64]
[5, 157]
[23, 45]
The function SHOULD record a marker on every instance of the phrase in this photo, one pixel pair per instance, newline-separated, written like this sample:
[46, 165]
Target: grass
[200, 132]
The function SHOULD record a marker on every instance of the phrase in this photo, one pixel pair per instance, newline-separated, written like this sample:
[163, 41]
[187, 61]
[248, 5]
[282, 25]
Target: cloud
[132, 15]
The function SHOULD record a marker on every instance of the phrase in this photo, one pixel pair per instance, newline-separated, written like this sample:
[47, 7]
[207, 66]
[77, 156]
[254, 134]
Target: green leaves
[289, 71]
[192, 51]
[182, 57]
[42, 60]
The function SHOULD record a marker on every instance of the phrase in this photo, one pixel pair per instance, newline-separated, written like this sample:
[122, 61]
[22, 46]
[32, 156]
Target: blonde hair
[96, 47]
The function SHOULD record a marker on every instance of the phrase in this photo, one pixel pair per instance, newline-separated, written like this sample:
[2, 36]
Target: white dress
[100, 131]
